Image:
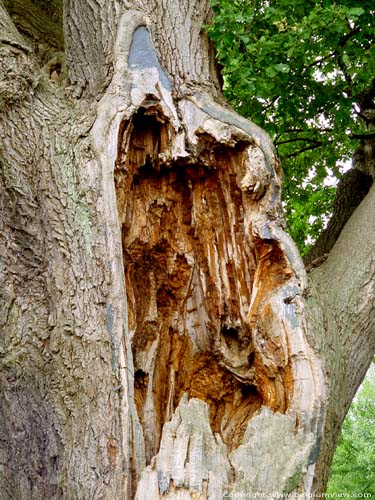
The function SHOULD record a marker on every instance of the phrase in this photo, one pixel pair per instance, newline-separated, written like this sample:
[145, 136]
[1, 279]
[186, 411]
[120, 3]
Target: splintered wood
[198, 281]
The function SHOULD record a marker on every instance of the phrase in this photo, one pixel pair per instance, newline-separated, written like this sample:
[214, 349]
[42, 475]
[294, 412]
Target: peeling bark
[155, 342]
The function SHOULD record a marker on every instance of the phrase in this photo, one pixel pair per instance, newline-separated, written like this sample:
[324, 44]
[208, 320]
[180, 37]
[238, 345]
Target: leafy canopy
[304, 71]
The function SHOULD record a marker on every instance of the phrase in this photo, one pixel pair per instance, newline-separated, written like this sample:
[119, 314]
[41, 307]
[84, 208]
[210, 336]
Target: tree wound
[198, 282]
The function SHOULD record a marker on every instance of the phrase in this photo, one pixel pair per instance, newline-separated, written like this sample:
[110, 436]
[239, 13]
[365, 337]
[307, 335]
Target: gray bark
[342, 288]
[351, 190]
[158, 336]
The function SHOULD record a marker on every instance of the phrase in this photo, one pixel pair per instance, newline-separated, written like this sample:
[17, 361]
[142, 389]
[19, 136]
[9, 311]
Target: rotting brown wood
[193, 269]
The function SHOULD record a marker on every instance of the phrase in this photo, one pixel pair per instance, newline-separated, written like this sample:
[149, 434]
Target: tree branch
[347, 76]
[320, 60]
[351, 190]
[16, 73]
[340, 61]
[301, 130]
[298, 139]
[40, 22]
[370, 135]
[9, 33]
[303, 150]
[344, 287]
[366, 97]
[347, 282]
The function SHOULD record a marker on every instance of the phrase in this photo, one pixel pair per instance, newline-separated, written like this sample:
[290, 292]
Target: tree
[160, 337]
[305, 72]
[352, 468]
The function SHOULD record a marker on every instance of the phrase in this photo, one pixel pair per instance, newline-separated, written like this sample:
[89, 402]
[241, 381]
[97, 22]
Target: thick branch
[344, 286]
[16, 68]
[8, 32]
[346, 280]
[370, 135]
[351, 190]
[39, 22]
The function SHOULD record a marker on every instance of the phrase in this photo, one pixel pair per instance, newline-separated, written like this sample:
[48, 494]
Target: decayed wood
[154, 341]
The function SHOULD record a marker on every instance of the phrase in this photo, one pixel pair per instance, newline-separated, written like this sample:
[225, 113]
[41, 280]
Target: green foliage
[353, 468]
[300, 70]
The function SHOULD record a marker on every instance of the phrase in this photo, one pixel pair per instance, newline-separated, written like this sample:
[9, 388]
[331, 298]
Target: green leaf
[271, 71]
[346, 59]
[356, 12]
[282, 68]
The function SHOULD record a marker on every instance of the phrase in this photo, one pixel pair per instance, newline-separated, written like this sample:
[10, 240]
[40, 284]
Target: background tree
[352, 469]
[305, 72]
[159, 336]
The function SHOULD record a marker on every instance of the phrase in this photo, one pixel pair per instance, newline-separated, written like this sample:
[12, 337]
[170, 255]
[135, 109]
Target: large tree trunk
[160, 338]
